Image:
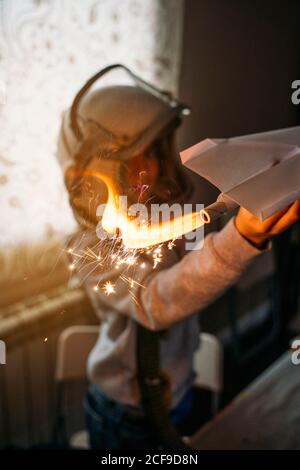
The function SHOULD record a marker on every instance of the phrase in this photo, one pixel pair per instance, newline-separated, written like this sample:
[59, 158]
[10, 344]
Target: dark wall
[239, 59]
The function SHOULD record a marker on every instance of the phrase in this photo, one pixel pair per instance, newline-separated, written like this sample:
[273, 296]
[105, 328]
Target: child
[129, 134]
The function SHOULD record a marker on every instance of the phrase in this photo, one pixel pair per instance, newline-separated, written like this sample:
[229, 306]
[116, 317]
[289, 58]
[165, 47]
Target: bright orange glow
[135, 234]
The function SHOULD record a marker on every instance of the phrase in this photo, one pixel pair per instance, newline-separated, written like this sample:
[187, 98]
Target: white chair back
[208, 366]
[73, 348]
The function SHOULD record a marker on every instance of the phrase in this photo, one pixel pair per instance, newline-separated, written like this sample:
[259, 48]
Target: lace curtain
[48, 48]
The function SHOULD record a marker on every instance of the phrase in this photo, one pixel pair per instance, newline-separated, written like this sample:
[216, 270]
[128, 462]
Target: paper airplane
[260, 172]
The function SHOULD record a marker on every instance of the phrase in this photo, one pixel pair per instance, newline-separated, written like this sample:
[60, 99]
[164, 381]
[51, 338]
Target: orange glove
[257, 232]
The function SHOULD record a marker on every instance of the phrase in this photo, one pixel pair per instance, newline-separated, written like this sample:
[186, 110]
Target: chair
[208, 366]
[73, 347]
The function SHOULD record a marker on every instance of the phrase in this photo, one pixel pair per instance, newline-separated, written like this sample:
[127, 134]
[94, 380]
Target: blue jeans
[112, 425]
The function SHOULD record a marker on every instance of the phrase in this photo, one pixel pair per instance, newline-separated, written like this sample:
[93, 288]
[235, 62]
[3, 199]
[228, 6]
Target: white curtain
[48, 48]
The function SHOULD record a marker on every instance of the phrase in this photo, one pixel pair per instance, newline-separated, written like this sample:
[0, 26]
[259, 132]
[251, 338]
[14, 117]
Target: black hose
[152, 389]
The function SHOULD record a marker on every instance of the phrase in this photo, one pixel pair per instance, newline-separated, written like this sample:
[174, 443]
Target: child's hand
[257, 232]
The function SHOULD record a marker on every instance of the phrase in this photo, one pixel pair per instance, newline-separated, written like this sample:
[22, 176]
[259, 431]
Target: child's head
[126, 132]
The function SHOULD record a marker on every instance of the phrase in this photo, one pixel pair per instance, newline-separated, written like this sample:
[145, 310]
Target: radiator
[27, 388]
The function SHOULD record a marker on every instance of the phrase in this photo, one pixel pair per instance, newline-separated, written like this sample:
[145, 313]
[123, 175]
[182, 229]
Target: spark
[171, 244]
[109, 288]
[45, 340]
[130, 260]
[132, 282]
[157, 256]
[134, 298]
[92, 254]
[156, 261]
[72, 266]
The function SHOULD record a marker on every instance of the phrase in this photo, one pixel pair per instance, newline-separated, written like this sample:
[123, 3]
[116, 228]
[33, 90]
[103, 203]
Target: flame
[135, 234]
